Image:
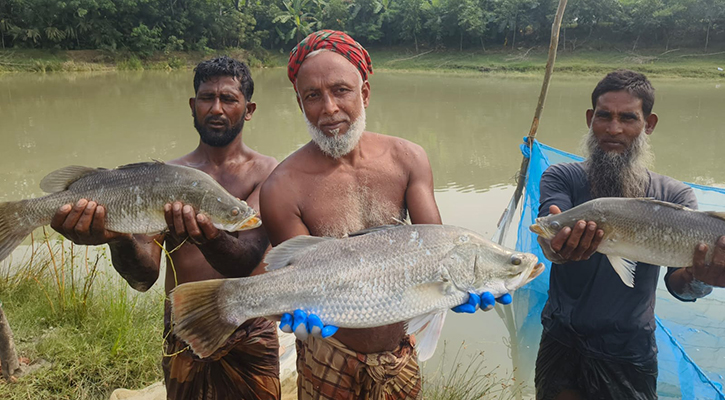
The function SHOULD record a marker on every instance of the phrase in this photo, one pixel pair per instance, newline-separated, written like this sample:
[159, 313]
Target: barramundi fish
[377, 277]
[641, 229]
[133, 196]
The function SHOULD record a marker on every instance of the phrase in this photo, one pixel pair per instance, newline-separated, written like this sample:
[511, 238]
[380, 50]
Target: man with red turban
[344, 180]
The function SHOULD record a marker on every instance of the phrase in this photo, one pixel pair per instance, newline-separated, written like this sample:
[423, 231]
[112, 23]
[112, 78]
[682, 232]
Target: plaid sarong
[327, 369]
[246, 367]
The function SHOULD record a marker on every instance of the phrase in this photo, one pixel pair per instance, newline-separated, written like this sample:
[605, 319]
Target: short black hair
[225, 66]
[633, 82]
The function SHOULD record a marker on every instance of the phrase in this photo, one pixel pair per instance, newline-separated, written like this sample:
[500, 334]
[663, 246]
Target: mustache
[213, 118]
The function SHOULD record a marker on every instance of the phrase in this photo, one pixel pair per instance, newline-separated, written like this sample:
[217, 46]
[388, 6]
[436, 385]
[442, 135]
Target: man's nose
[216, 107]
[615, 127]
[329, 104]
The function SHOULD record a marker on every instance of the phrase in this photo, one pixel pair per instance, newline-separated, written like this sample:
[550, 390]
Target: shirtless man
[344, 180]
[248, 365]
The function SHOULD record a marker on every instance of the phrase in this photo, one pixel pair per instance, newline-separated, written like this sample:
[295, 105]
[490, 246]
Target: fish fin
[401, 222]
[663, 203]
[139, 164]
[12, 231]
[371, 230]
[427, 329]
[59, 180]
[624, 268]
[198, 318]
[716, 214]
[281, 255]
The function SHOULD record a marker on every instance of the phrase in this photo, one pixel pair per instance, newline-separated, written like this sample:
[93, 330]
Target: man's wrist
[694, 288]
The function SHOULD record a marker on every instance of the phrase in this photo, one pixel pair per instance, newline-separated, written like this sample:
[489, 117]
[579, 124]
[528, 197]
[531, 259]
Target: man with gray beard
[598, 340]
[345, 180]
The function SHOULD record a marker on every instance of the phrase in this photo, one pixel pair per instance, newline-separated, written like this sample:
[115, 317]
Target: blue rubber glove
[303, 325]
[485, 302]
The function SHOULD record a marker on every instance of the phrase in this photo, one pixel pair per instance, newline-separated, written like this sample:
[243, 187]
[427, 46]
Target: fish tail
[12, 227]
[199, 318]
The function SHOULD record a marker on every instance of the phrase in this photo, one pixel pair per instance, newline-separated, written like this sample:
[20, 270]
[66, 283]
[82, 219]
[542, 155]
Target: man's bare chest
[336, 205]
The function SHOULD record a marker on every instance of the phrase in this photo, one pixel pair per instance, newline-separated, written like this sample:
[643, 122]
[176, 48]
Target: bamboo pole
[507, 314]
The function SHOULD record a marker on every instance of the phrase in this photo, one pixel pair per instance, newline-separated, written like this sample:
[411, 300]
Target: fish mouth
[536, 271]
[251, 223]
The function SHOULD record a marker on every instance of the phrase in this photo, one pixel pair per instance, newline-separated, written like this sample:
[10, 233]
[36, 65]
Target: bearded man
[247, 366]
[344, 180]
[598, 340]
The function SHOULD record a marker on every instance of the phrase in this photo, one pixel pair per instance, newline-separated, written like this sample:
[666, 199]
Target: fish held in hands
[133, 195]
[641, 229]
[377, 277]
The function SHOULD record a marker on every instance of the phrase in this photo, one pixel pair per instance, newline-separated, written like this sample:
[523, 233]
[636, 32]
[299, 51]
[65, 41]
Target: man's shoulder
[667, 181]
[566, 170]
[663, 187]
[400, 149]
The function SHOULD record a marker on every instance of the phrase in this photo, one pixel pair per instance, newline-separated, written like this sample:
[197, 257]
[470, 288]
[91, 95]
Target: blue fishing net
[690, 336]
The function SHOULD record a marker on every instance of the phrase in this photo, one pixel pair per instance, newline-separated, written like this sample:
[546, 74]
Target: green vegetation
[80, 323]
[685, 63]
[468, 378]
[149, 27]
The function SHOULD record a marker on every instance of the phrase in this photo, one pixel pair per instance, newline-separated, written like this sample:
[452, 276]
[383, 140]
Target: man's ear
[366, 93]
[650, 122]
[192, 103]
[590, 116]
[251, 107]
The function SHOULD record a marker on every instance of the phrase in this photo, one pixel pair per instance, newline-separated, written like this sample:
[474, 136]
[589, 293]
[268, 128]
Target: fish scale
[367, 280]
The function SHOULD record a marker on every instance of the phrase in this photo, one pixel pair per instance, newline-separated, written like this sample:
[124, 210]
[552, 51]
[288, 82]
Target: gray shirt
[589, 308]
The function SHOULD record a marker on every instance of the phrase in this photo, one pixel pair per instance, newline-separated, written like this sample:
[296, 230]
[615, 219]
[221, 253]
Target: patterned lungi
[327, 369]
[246, 367]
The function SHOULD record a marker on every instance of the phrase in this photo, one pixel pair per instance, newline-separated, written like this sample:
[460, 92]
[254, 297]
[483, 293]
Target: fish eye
[235, 211]
[555, 224]
[515, 260]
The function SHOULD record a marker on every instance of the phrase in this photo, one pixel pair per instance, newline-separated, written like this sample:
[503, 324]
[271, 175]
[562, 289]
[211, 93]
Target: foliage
[149, 26]
[73, 316]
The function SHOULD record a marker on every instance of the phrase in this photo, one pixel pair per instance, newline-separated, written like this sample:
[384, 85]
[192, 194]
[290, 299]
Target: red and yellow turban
[339, 42]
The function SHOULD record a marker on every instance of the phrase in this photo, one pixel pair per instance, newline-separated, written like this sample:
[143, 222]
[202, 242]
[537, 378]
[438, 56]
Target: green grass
[677, 63]
[532, 62]
[468, 378]
[94, 332]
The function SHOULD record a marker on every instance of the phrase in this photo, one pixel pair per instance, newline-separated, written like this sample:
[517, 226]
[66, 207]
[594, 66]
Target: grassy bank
[23, 60]
[85, 332]
[675, 63]
[681, 63]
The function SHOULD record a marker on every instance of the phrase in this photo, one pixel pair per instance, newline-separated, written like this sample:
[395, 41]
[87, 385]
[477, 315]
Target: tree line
[148, 26]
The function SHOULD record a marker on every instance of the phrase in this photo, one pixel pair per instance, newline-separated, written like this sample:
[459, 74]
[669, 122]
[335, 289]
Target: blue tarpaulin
[690, 336]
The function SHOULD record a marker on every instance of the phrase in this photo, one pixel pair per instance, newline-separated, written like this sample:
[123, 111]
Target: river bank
[674, 63]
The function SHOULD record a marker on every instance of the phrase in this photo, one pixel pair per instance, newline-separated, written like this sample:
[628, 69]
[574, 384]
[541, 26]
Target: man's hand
[183, 222]
[578, 243]
[303, 325]
[485, 302]
[712, 274]
[84, 223]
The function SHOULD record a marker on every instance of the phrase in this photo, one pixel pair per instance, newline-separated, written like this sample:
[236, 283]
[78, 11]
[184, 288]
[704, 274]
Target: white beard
[618, 174]
[338, 145]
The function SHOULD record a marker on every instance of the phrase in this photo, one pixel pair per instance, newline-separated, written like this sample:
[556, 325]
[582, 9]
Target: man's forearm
[134, 263]
[235, 257]
[685, 286]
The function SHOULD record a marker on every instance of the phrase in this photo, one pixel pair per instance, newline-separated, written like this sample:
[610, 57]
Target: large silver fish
[133, 195]
[411, 273]
[646, 230]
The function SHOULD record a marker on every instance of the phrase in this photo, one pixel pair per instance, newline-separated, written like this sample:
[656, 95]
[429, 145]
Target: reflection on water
[470, 127]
